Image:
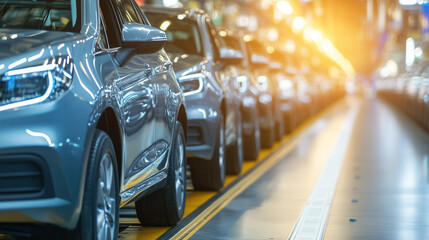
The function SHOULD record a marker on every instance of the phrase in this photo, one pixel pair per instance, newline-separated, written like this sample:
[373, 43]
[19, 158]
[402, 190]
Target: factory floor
[357, 170]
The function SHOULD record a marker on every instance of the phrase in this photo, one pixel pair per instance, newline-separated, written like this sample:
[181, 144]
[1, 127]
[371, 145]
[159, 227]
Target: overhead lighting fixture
[271, 49]
[284, 7]
[247, 38]
[298, 24]
[408, 2]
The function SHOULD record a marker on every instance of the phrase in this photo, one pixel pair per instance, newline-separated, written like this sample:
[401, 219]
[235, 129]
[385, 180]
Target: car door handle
[167, 65]
[148, 71]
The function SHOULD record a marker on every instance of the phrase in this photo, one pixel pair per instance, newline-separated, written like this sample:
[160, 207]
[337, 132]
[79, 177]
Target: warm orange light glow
[270, 49]
[311, 34]
[247, 38]
[298, 24]
[290, 46]
[284, 7]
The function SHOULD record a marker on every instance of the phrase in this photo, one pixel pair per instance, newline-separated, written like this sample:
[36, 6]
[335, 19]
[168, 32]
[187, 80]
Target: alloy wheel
[180, 172]
[222, 150]
[106, 201]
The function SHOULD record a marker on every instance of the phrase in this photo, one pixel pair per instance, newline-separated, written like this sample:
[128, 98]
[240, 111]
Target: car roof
[160, 9]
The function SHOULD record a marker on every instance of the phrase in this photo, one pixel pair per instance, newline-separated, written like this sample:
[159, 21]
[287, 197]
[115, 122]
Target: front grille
[23, 177]
[195, 136]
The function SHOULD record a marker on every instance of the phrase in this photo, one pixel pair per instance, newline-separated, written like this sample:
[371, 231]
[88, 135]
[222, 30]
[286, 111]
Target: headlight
[191, 84]
[286, 88]
[263, 83]
[35, 84]
[243, 83]
[285, 84]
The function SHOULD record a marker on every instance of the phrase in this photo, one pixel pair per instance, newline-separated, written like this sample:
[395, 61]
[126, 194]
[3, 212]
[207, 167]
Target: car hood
[185, 64]
[18, 41]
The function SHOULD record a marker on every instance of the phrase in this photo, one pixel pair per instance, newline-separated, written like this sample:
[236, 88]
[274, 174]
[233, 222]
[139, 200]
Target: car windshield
[58, 15]
[255, 47]
[232, 42]
[182, 33]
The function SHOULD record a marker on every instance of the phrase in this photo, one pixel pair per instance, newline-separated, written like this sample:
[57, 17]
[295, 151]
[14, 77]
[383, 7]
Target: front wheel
[100, 210]
[279, 128]
[289, 122]
[267, 127]
[234, 153]
[268, 137]
[251, 146]
[166, 206]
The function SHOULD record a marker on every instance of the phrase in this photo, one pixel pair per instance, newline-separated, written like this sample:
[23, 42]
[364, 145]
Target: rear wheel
[165, 207]
[268, 136]
[100, 210]
[210, 174]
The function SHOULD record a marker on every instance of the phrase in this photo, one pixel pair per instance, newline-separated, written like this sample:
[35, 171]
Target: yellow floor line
[220, 203]
[195, 199]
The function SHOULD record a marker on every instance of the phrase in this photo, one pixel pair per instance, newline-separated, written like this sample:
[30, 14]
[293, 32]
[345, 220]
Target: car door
[136, 93]
[166, 105]
[224, 76]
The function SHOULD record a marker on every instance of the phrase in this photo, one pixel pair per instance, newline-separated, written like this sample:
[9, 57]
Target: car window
[213, 40]
[232, 42]
[110, 24]
[102, 41]
[60, 15]
[182, 34]
[128, 11]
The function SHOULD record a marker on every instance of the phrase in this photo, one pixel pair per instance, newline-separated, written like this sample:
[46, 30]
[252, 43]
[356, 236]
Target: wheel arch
[109, 123]
[183, 119]
[223, 109]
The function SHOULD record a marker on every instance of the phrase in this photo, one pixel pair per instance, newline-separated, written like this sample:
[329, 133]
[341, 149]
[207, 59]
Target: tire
[288, 119]
[210, 174]
[279, 128]
[166, 206]
[234, 153]
[267, 137]
[96, 205]
[252, 145]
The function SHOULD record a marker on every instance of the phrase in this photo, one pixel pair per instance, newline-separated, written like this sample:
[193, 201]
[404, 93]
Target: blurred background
[365, 39]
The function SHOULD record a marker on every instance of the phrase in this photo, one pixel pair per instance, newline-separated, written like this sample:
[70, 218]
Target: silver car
[259, 67]
[201, 62]
[92, 118]
[249, 91]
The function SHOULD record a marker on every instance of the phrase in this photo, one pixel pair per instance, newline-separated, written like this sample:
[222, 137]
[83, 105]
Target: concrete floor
[381, 191]
[359, 170]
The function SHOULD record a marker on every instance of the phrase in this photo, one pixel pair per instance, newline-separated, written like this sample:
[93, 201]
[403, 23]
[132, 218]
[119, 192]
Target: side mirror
[231, 56]
[259, 60]
[145, 39]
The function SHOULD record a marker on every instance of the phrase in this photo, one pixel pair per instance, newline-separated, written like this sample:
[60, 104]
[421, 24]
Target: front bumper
[286, 105]
[52, 189]
[203, 124]
[249, 115]
[265, 108]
